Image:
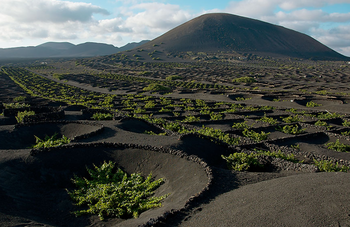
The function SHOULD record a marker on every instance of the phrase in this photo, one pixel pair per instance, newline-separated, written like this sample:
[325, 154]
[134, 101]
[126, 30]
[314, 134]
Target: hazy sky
[117, 22]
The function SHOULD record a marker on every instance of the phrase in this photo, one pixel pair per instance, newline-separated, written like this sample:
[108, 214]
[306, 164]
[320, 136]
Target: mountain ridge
[65, 49]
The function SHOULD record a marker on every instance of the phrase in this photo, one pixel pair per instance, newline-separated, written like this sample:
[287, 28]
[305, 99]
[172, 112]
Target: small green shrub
[205, 111]
[215, 117]
[297, 146]
[22, 115]
[155, 134]
[267, 108]
[242, 99]
[150, 119]
[329, 166]
[321, 123]
[231, 110]
[19, 99]
[189, 108]
[186, 101]
[346, 133]
[269, 120]
[346, 123]
[139, 110]
[149, 104]
[241, 161]
[255, 135]
[102, 116]
[201, 103]
[145, 73]
[58, 76]
[309, 115]
[278, 154]
[15, 105]
[50, 141]
[156, 87]
[322, 92]
[174, 77]
[327, 116]
[166, 102]
[292, 110]
[111, 193]
[176, 127]
[164, 110]
[291, 129]
[338, 146]
[190, 118]
[241, 125]
[312, 104]
[245, 79]
[250, 108]
[218, 134]
[291, 119]
[236, 106]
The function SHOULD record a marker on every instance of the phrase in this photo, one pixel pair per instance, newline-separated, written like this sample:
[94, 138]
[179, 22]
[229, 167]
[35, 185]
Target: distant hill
[65, 49]
[227, 32]
[130, 46]
[57, 45]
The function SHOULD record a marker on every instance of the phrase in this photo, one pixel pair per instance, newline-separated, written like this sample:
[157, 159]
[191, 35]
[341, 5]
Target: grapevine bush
[111, 193]
[22, 115]
[50, 141]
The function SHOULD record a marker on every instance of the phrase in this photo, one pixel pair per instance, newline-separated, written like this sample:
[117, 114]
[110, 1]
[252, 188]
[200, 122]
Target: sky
[118, 22]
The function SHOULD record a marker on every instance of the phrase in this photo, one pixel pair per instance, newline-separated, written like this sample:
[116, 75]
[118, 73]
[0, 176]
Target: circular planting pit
[320, 199]
[23, 136]
[42, 113]
[33, 187]
[242, 96]
[279, 97]
[203, 147]
[138, 126]
[318, 102]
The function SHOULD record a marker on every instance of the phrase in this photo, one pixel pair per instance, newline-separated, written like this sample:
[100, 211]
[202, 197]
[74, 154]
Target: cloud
[305, 16]
[110, 26]
[155, 18]
[30, 11]
[297, 10]
[312, 15]
[133, 2]
[63, 20]
[46, 19]
[264, 8]
[295, 4]
[144, 20]
[338, 38]
[252, 8]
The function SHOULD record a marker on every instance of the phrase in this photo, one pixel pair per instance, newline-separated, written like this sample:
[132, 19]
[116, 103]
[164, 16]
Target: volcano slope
[231, 33]
[180, 135]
